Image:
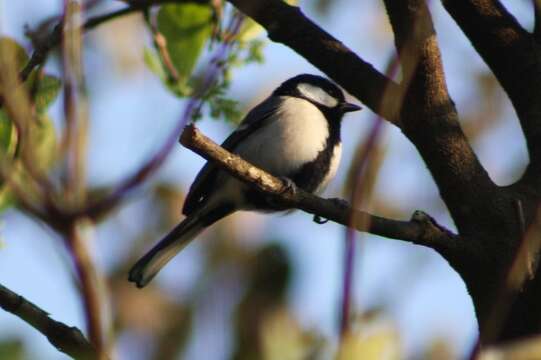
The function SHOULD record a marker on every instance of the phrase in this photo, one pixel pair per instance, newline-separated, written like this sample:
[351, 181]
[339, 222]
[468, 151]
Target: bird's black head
[320, 91]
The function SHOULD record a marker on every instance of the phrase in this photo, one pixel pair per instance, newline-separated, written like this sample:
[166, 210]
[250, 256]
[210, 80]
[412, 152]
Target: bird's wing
[204, 182]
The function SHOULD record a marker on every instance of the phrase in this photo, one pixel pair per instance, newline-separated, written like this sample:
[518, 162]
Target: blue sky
[131, 114]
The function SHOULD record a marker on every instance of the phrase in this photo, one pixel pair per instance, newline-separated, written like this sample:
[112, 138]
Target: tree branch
[288, 25]
[513, 55]
[67, 339]
[429, 116]
[89, 287]
[421, 229]
[537, 16]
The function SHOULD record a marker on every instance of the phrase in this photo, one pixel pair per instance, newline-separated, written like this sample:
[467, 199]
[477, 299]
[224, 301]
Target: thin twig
[65, 338]
[160, 44]
[75, 106]
[53, 39]
[90, 289]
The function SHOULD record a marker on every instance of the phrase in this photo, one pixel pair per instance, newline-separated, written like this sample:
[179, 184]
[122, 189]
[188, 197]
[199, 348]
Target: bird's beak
[347, 107]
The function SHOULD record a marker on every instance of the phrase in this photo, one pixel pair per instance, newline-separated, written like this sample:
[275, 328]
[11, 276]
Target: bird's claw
[319, 220]
[338, 202]
[289, 185]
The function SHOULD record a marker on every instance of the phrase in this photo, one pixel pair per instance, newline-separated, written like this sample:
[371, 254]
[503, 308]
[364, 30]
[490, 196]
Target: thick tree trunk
[498, 243]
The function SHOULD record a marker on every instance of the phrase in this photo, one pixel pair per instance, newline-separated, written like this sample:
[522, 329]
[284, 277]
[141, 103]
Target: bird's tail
[152, 262]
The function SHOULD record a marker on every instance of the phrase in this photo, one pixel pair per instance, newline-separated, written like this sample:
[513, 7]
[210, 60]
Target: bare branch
[513, 55]
[429, 116]
[90, 287]
[288, 25]
[67, 339]
[420, 229]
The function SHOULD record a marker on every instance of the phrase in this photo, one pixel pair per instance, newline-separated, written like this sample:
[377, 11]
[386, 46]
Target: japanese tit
[294, 134]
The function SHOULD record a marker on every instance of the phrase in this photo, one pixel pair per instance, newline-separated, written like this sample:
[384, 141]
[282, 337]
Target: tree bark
[497, 246]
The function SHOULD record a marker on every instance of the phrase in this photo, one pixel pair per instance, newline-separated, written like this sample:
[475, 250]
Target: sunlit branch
[420, 229]
[288, 25]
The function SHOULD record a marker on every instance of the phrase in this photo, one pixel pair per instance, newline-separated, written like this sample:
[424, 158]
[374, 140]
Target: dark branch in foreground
[513, 56]
[67, 339]
[429, 116]
[287, 24]
[537, 26]
[420, 229]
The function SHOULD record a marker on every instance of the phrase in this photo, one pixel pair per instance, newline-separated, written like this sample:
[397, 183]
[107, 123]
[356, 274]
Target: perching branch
[420, 229]
[288, 25]
[513, 56]
[67, 339]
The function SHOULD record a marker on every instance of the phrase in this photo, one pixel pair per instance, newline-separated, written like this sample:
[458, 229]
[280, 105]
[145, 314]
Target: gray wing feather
[258, 117]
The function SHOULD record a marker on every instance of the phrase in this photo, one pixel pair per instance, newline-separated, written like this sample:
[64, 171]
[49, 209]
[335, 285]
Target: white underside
[294, 138]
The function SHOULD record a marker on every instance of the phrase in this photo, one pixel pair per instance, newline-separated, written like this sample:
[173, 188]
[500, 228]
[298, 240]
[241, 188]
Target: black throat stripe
[311, 174]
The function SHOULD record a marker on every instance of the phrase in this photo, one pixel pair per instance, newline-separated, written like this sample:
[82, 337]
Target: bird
[293, 134]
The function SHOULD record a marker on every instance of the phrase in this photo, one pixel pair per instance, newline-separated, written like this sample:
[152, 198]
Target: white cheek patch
[317, 95]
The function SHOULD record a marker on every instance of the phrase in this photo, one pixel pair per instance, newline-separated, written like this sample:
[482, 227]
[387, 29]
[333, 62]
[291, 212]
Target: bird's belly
[289, 142]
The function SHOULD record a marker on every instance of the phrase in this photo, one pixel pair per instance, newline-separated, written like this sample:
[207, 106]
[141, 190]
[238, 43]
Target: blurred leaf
[525, 349]
[9, 47]
[282, 338]
[376, 344]
[7, 135]
[44, 142]
[440, 349]
[12, 350]
[255, 51]
[186, 28]
[7, 149]
[153, 63]
[249, 30]
[48, 89]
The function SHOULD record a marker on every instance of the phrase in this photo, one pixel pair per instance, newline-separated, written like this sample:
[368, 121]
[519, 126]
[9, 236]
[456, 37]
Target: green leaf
[153, 63]
[8, 142]
[7, 135]
[249, 30]
[44, 142]
[47, 91]
[10, 47]
[186, 28]
[12, 349]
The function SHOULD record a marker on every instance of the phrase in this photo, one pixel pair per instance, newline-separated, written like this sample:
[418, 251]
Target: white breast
[294, 138]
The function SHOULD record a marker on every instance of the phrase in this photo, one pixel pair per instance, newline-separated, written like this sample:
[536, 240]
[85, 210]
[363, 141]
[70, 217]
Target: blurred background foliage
[243, 291]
